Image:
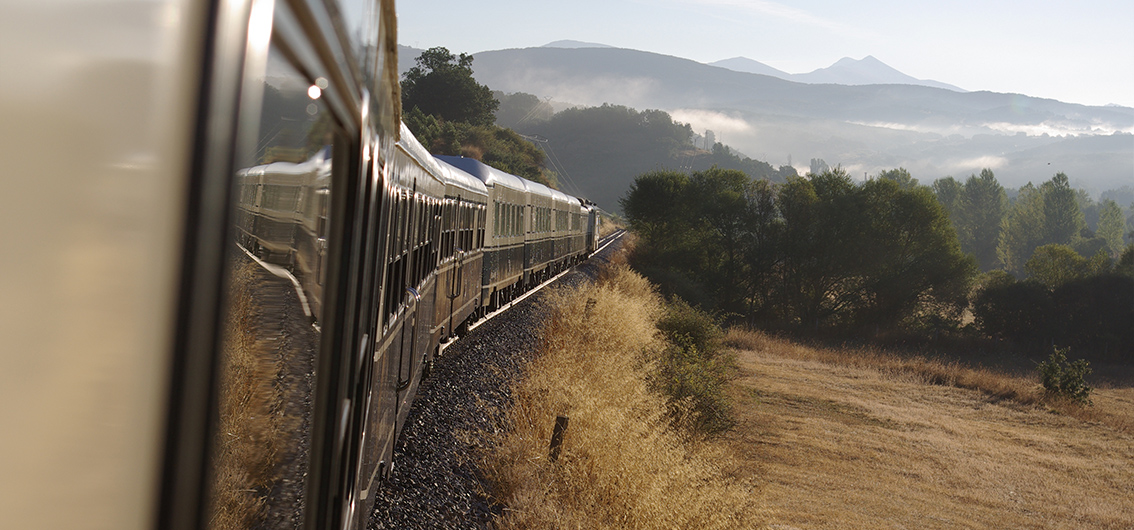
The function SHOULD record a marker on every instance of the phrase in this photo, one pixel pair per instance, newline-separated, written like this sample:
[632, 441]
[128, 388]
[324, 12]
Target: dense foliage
[1058, 264]
[1068, 301]
[442, 85]
[1066, 379]
[1004, 234]
[498, 147]
[451, 114]
[692, 372]
[826, 252]
[821, 251]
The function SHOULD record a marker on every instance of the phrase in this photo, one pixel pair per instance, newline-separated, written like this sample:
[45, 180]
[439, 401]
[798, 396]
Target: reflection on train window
[273, 308]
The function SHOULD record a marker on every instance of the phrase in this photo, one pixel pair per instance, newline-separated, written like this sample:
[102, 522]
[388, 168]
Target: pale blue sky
[1075, 51]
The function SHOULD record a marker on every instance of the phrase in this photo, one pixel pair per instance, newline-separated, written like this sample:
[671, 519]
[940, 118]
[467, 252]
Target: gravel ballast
[435, 482]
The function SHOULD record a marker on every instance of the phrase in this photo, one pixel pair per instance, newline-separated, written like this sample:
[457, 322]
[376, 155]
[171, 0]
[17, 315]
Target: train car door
[409, 326]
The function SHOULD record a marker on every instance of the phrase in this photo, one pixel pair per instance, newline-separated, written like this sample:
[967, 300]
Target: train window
[481, 228]
[273, 304]
[360, 19]
[495, 218]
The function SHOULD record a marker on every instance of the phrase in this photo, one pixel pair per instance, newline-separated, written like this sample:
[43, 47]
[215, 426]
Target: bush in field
[1019, 311]
[683, 323]
[691, 373]
[1066, 379]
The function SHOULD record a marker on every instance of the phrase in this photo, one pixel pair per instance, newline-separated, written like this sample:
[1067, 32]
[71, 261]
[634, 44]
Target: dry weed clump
[621, 464]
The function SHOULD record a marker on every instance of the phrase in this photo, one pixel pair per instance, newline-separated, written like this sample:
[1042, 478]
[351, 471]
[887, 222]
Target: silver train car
[534, 232]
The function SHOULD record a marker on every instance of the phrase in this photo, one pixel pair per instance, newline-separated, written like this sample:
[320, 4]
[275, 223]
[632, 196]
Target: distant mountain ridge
[932, 132]
[845, 71]
[574, 44]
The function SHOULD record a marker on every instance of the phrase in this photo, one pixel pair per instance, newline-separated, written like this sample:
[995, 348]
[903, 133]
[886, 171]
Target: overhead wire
[545, 145]
[547, 149]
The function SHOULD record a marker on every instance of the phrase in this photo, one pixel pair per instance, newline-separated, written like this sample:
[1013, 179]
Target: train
[228, 264]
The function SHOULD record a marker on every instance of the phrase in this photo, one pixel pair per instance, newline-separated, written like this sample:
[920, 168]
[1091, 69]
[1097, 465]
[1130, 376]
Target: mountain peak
[574, 44]
[866, 71]
[846, 71]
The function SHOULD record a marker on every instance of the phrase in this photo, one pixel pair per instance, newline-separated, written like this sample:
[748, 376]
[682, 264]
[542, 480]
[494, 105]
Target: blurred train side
[195, 180]
[125, 123]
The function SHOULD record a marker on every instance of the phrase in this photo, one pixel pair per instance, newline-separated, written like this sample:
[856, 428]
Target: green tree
[1112, 224]
[1019, 311]
[1022, 230]
[980, 215]
[901, 177]
[442, 85]
[824, 219]
[658, 210]
[1125, 265]
[1063, 220]
[719, 197]
[912, 255]
[519, 108]
[948, 193]
[1089, 207]
[1054, 265]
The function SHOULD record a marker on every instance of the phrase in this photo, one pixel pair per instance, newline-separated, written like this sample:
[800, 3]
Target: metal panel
[99, 102]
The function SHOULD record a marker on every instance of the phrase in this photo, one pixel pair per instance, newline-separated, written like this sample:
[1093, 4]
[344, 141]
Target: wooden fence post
[557, 436]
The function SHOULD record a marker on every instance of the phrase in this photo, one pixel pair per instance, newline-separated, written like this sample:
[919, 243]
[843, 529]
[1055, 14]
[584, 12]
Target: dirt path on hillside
[840, 447]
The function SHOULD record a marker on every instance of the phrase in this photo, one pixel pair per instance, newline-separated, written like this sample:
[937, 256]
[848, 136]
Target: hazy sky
[1078, 51]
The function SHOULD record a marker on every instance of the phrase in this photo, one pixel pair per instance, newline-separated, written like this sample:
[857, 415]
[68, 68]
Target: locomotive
[228, 263]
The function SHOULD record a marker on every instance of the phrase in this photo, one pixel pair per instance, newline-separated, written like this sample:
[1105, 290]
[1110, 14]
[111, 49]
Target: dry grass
[860, 439]
[610, 225]
[621, 465]
[1108, 408]
[250, 431]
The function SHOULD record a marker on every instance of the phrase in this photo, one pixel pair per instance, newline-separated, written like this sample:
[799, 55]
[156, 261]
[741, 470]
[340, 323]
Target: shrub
[1018, 311]
[690, 373]
[683, 323]
[1066, 379]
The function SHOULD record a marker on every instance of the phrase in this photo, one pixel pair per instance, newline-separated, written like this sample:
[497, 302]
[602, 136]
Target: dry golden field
[859, 440]
[825, 438]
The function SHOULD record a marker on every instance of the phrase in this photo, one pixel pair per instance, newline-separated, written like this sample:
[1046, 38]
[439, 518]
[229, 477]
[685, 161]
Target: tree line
[826, 252]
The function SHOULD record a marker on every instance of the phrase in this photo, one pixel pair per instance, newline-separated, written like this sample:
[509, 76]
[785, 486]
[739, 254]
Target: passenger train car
[227, 264]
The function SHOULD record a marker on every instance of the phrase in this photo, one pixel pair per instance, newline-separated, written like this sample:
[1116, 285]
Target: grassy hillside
[848, 439]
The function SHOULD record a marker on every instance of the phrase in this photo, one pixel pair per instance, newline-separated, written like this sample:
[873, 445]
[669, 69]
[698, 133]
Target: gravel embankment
[435, 482]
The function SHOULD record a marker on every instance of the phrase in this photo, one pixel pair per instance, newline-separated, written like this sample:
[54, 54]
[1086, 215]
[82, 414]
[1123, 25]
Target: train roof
[455, 176]
[489, 175]
[536, 188]
[559, 196]
[318, 162]
[416, 151]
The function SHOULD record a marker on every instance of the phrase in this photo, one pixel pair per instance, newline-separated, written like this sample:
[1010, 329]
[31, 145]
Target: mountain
[846, 71]
[932, 132]
[867, 71]
[574, 44]
[744, 64]
[407, 58]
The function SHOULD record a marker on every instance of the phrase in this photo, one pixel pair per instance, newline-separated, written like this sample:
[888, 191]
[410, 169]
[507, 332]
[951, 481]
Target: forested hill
[597, 151]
